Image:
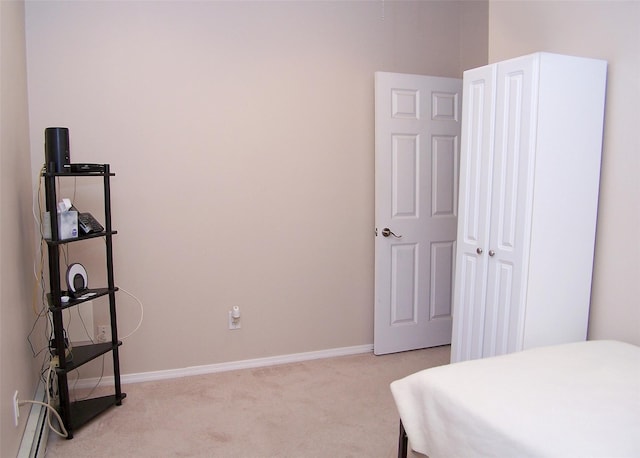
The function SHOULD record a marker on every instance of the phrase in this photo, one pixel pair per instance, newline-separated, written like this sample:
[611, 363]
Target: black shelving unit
[74, 414]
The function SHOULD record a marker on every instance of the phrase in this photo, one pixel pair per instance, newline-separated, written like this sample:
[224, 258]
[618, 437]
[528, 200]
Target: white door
[417, 132]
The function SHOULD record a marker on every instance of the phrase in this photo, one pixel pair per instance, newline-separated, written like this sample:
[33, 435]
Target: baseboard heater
[36, 433]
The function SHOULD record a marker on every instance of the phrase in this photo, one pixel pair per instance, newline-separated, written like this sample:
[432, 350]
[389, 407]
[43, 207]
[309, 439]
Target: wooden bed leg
[402, 442]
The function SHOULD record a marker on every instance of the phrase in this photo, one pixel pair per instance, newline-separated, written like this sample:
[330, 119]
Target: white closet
[529, 179]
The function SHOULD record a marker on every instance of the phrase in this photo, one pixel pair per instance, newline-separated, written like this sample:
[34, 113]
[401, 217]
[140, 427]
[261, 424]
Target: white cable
[37, 218]
[64, 432]
[141, 313]
[35, 211]
[49, 407]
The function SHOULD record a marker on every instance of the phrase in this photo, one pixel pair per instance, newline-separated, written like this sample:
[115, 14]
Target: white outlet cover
[104, 333]
[233, 324]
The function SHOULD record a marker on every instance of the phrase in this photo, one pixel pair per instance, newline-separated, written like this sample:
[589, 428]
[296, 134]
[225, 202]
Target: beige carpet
[335, 407]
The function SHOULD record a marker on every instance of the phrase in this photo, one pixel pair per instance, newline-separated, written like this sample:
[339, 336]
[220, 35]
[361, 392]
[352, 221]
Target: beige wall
[241, 134]
[608, 30]
[18, 369]
[242, 138]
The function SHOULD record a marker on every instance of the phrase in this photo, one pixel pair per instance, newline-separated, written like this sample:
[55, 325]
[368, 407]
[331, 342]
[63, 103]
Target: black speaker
[56, 148]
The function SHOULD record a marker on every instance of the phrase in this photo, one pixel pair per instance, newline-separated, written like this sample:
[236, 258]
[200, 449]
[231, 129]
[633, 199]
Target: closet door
[511, 205]
[473, 213]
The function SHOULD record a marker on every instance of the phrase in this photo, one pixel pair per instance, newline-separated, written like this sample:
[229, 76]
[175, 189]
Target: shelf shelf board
[82, 354]
[81, 237]
[95, 293]
[77, 174]
[84, 411]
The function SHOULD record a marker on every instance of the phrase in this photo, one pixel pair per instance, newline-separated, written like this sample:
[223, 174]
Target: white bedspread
[572, 400]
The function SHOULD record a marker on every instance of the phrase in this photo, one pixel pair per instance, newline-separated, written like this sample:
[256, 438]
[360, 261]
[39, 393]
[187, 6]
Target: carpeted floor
[335, 407]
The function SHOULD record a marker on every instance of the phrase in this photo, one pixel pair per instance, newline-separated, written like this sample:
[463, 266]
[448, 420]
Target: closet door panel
[501, 329]
[511, 203]
[473, 211]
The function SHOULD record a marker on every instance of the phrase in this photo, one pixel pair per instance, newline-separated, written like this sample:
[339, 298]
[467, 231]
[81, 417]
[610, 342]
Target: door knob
[491, 252]
[386, 232]
[479, 250]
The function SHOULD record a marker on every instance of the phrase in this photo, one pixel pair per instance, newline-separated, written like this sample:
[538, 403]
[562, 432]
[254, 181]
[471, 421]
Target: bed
[571, 400]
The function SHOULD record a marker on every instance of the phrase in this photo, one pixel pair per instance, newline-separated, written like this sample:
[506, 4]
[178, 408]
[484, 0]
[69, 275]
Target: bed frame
[403, 442]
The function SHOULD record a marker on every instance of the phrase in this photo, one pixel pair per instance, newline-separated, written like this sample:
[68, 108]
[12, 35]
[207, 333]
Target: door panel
[404, 279]
[498, 313]
[442, 261]
[444, 195]
[417, 141]
[405, 175]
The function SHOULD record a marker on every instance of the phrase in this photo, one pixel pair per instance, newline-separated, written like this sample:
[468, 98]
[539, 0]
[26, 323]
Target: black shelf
[76, 414]
[82, 354]
[95, 293]
[86, 410]
[81, 237]
[78, 174]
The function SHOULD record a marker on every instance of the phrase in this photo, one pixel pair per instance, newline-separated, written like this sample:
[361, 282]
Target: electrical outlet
[104, 334]
[234, 323]
[16, 410]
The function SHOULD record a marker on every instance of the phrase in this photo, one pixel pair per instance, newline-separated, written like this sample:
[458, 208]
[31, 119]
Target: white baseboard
[36, 432]
[224, 367]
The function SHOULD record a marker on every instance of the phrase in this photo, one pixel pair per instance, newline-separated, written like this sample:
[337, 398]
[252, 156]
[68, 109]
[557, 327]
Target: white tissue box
[68, 225]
